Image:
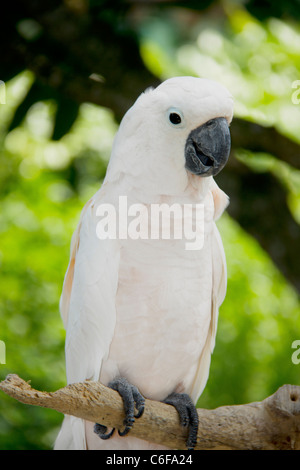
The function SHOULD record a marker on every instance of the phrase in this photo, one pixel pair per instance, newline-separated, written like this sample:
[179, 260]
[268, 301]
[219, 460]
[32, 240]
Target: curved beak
[207, 148]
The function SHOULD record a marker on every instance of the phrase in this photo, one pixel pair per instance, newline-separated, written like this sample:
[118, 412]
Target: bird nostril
[211, 123]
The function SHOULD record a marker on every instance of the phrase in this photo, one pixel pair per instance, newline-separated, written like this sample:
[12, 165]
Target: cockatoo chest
[163, 308]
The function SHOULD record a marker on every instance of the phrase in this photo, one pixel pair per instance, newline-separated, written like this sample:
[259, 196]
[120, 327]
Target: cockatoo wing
[219, 285]
[88, 304]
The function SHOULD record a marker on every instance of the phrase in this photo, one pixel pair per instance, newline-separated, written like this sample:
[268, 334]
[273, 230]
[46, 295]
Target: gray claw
[187, 414]
[131, 399]
[101, 431]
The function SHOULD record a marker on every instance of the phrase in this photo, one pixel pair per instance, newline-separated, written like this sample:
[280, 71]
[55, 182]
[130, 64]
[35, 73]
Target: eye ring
[175, 117]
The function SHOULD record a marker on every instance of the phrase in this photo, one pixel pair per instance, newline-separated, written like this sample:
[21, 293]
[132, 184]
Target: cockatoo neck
[194, 190]
[153, 179]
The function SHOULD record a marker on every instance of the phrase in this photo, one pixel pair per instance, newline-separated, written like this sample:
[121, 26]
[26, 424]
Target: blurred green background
[54, 156]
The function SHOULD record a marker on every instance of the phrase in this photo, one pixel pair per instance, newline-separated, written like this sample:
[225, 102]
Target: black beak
[208, 147]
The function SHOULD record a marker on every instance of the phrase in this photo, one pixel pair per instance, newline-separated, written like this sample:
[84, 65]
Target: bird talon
[139, 414]
[131, 399]
[100, 430]
[140, 406]
[125, 431]
[188, 415]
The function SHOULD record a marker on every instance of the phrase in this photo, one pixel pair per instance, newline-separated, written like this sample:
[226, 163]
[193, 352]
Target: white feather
[147, 309]
[88, 305]
[219, 284]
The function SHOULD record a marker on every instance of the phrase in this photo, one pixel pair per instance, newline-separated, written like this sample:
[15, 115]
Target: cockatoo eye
[175, 116]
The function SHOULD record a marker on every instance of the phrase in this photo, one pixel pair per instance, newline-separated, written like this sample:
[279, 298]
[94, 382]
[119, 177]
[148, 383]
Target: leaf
[37, 92]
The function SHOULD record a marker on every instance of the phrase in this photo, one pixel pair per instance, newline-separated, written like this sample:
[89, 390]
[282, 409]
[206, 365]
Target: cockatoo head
[175, 130]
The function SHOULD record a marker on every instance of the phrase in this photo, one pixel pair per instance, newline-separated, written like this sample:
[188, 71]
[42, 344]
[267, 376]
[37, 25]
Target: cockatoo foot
[100, 430]
[132, 399]
[187, 414]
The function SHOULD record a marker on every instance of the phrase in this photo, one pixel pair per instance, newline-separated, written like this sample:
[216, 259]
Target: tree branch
[271, 424]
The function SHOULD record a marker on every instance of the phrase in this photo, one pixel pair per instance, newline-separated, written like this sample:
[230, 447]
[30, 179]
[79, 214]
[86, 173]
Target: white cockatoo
[141, 311]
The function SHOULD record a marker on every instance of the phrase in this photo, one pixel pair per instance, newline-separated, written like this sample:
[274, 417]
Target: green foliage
[257, 62]
[258, 322]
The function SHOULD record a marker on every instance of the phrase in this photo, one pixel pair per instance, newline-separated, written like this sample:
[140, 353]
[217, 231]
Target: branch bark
[272, 424]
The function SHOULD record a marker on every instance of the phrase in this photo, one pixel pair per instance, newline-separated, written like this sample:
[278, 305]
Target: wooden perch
[271, 424]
